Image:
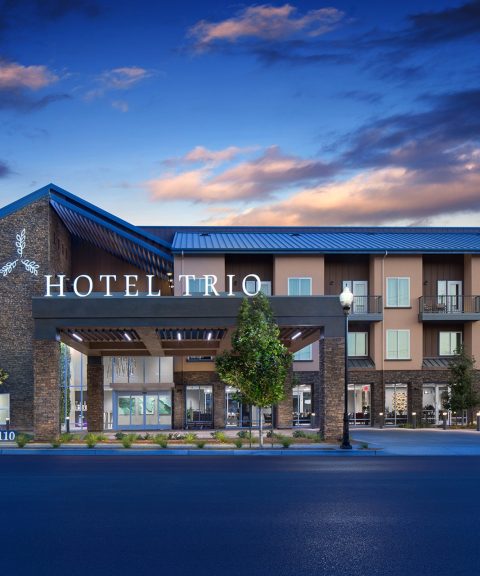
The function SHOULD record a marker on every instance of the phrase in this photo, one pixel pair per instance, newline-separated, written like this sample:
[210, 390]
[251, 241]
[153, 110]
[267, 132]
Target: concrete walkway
[424, 442]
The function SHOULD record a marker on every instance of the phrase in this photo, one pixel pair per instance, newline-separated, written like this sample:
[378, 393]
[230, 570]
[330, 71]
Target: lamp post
[346, 299]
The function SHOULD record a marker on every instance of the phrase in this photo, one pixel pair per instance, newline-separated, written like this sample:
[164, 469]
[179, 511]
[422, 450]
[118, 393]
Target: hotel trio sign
[83, 284]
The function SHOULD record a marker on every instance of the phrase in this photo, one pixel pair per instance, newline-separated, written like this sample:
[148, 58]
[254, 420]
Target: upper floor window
[299, 286]
[304, 354]
[358, 343]
[398, 344]
[196, 285]
[265, 287]
[398, 292]
[449, 343]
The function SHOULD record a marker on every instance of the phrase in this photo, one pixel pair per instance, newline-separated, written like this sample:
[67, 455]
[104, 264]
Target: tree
[462, 394]
[258, 364]
[3, 376]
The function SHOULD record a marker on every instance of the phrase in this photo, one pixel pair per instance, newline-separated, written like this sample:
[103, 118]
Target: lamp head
[346, 299]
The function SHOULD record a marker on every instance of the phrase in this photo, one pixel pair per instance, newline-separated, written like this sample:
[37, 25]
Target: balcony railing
[367, 305]
[441, 306]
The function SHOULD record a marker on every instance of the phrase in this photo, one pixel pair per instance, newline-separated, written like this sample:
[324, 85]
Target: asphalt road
[221, 515]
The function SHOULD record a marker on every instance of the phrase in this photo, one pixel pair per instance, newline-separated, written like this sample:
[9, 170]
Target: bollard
[67, 424]
[380, 420]
[7, 424]
[478, 421]
[444, 418]
[414, 419]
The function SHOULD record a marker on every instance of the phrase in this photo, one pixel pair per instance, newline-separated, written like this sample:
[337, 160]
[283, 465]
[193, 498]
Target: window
[265, 287]
[303, 355]
[200, 359]
[398, 292]
[198, 405]
[4, 408]
[358, 343]
[449, 343]
[299, 286]
[398, 344]
[196, 285]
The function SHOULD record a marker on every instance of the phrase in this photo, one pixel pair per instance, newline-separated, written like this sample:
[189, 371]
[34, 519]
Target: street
[239, 515]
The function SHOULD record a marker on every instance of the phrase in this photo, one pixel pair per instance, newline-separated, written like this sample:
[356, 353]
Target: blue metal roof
[337, 240]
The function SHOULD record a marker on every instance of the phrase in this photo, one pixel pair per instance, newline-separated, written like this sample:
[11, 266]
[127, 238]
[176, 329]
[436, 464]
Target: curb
[186, 452]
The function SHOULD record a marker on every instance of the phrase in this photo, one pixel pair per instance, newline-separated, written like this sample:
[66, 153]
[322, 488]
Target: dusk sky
[179, 112]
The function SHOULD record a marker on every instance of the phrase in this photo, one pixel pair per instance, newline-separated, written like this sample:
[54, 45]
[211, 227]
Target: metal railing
[367, 305]
[449, 304]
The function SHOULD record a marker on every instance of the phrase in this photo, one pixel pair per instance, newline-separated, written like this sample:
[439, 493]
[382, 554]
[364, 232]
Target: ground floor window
[4, 408]
[240, 415]
[142, 410]
[396, 404]
[199, 406]
[435, 397]
[359, 402]
[302, 405]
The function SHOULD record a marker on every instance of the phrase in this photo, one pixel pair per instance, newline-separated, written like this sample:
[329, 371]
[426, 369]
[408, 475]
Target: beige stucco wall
[405, 318]
[285, 267]
[199, 265]
[471, 330]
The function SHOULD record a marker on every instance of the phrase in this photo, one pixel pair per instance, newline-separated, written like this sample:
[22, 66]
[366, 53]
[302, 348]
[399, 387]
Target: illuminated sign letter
[60, 285]
[150, 286]
[187, 278]
[129, 284]
[90, 285]
[258, 284]
[230, 284]
[210, 281]
[107, 283]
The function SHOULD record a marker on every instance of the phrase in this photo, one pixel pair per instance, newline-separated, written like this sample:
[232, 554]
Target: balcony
[367, 309]
[449, 308]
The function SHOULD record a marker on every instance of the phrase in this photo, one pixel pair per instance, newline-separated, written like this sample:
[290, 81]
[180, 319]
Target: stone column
[46, 374]
[378, 400]
[332, 387]
[178, 407]
[284, 409]
[218, 405]
[95, 394]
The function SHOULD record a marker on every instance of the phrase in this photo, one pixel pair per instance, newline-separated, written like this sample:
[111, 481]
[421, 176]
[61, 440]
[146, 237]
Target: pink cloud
[124, 77]
[375, 197]
[17, 76]
[267, 22]
[202, 155]
[255, 179]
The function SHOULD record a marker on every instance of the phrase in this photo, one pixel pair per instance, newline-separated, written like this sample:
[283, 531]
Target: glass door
[141, 411]
[359, 403]
[435, 397]
[396, 404]
[302, 405]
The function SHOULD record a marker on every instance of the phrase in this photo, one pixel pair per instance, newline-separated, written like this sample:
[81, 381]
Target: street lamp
[346, 299]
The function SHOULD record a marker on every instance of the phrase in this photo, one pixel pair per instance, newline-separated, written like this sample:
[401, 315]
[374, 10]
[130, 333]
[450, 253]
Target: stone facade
[47, 243]
[95, 394]
[46, 406]
[330, 402]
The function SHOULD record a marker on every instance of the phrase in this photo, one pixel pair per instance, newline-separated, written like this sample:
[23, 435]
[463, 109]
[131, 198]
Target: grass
[161, 440]
[90, 440]
[22, 440]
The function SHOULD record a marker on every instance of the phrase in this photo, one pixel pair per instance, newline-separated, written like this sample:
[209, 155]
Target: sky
[171, 112]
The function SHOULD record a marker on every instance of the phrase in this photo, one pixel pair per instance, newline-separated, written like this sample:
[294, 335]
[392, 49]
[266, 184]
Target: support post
[95, 394]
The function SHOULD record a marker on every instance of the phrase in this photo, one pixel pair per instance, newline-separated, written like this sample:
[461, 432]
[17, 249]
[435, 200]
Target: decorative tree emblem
[29, 265]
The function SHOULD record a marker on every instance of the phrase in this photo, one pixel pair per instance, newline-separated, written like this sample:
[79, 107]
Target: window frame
[309, 278]
[310, 354]
[387, 348]
[397, 304]
[450, 332]
[351, 334]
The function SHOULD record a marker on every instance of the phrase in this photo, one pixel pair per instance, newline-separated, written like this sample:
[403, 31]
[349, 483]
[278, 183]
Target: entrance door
[434, 399]
[396, 404]
[141, 411]
[359, 289]
[359, 403]
[302, 405]
[450, 295]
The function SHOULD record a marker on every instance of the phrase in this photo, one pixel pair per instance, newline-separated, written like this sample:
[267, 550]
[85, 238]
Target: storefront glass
[302, 405]
[4, 408]
[143, 410]
[198, 407]
[396, 404]
[435, 397]
[359, 403]
[240, 415]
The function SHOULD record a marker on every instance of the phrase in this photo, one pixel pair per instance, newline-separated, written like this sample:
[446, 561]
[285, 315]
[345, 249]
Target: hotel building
[117, 326]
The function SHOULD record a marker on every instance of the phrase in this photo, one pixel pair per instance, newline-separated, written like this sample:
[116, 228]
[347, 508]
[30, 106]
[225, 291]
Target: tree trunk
[261, 428]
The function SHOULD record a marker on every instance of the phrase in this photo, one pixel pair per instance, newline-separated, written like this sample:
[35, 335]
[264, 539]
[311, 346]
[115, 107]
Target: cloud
[118, 79]
[4, 170]
[265, 22]
[255, 179]
[22, 102]
[120, 105]
[375, 197]
[18, 76]
[202, 155]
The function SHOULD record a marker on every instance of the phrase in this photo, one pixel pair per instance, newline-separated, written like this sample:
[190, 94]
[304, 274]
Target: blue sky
[301, 113]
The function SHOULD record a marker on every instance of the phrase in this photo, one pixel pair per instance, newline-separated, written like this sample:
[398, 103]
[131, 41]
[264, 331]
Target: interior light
[297, 335]
[179, 336]
[209, 336]
[77, 337]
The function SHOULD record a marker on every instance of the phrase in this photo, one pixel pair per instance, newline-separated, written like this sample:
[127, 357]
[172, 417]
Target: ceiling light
[127, 336]
[297, 335]
[179, 336]
[209, 336]
[77, 337]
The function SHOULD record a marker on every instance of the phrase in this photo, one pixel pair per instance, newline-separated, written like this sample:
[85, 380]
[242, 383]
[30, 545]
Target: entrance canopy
[175, 325]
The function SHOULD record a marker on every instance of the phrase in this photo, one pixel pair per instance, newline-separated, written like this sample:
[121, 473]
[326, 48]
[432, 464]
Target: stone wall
[330, 401]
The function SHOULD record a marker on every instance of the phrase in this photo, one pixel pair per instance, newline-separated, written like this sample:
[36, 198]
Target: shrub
[286, 441]
[120, 435]
[246, 434]
[90, 440]
[300, 434]
[161, 440]
[176, 436]
[22, 440]
[66, 437]
[101, 437]
[56, 442]
[363, 445]
[238, 442]
[126, 441]
[147, 436]
[190, 437]
[220, 436]
[200, 443]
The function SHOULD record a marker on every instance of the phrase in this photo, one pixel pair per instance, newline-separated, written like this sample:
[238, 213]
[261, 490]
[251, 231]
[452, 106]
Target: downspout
[384, 333]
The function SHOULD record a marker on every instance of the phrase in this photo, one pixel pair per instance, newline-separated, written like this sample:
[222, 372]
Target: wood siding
[441, 267]
[348, 267]
[243, 264]
[431, 337]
